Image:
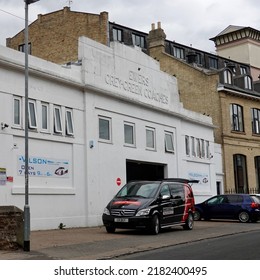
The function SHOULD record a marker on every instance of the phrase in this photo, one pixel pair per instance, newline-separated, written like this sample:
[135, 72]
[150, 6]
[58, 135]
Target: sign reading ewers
[137, 84]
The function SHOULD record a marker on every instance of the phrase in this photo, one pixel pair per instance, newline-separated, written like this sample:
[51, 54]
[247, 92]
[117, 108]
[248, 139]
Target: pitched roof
[230, 28]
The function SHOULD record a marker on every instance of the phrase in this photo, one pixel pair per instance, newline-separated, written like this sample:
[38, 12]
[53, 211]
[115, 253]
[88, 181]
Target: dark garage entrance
[136, 170]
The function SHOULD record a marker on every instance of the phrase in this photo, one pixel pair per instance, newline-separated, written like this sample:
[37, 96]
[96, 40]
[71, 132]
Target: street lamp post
[26, 242]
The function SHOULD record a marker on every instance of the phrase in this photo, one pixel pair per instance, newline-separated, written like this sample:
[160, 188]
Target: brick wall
[197, 88]
[54, 36]
[11, 227]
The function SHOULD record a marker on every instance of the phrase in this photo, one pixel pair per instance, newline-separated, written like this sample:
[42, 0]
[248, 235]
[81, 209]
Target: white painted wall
[111, 71]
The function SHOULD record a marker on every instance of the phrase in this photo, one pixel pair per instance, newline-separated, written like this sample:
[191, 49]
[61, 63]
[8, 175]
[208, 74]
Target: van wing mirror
[165, 197]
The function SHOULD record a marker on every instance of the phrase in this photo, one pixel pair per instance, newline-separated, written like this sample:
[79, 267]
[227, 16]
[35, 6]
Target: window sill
[43, 191]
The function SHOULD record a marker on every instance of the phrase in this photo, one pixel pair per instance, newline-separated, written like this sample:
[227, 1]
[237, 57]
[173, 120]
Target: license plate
[121, 220]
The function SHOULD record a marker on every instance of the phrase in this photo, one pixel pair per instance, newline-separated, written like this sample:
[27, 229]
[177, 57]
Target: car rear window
[256, 198]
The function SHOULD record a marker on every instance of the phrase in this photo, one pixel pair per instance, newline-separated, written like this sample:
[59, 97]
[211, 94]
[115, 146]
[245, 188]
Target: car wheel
[243, 217]
[189, 222]
[197, 215]
[155, 226]
[110, 229]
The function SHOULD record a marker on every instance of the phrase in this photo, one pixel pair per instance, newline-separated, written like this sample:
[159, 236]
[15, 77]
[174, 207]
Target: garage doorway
[136, 170]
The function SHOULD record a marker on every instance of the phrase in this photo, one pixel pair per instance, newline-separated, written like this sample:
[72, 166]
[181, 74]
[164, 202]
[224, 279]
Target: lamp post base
[26, 246]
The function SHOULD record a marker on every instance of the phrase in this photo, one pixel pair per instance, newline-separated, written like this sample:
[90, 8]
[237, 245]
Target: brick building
[213, 85]
[54, 36]
[230, 99]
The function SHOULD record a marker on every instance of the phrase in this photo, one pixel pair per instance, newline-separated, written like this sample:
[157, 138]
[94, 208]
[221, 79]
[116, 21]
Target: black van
[151, 205]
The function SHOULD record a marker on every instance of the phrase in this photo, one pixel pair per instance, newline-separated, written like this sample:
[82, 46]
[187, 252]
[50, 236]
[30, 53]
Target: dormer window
[117, 35]
[138, 40]
[178, 52]
[213, 63]
[248, 82]
[227, 77]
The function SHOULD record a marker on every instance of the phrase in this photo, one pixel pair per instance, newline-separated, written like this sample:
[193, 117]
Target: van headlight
[106, 211]
[143, 212]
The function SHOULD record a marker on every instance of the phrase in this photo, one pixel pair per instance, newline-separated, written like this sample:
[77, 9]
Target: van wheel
[155, 226]
[110, 229]
[189, 222]
[243, 217]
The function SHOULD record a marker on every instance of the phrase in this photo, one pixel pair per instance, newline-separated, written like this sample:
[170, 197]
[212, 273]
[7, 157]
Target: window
[104, 128]
[208, 156]
[187, 145]
[32, 114]
[117, 35]
[69, 122]
[202, 148]
[17, 111]
[213, 63]
[138, 40]
[129, 134]
[193, 151]
[199, 58]
[243, 70]
[240, 171]
[248, 82]
[236, 115]
[257, 170]
[169, 142]
[178, 52]
[21, 48]
[255, 120]
[57, 120]
[45, 117]
[227, 77]
[150, 138]
[198, 146]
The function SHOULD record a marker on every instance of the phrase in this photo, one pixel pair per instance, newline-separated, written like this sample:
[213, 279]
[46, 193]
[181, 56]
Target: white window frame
[57, 125]
[69, 122]
[152, 131]
[202, 148]
[32, 114]
[227, 77]
[109, 121]
[193, 150]
[207, 150]
[187, 145]
[133, 143]
[47, 117]
[19, 113]
[168, 136]
[198, 147]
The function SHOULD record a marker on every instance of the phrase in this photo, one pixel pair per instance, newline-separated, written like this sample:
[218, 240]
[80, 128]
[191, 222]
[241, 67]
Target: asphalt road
[240, 246]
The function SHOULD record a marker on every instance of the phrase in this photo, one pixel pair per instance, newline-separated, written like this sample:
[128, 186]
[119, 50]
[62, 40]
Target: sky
[188, 22]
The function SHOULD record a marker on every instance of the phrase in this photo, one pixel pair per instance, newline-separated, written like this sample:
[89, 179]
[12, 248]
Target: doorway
[136, 170]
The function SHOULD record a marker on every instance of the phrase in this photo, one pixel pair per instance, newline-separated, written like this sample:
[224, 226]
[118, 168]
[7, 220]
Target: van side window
[177, 191]
[165, 190]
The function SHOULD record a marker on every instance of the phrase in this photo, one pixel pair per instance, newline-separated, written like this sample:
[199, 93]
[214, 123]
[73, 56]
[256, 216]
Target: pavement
[94, 243]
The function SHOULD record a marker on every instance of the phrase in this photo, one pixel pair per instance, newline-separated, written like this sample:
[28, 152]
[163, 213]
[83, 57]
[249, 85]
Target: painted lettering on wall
[44, 167]
[137, 84]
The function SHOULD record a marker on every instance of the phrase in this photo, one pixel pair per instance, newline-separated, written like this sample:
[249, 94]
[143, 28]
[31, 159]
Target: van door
[165, 205]
[178, 201]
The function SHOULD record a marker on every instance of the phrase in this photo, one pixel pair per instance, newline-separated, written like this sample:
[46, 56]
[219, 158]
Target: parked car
[151, 205]
[242, 207]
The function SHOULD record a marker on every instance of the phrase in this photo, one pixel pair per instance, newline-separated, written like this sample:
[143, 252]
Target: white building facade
[94, 126]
